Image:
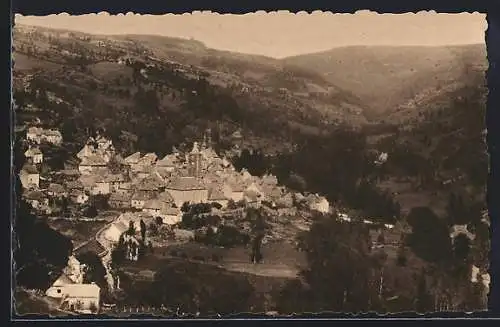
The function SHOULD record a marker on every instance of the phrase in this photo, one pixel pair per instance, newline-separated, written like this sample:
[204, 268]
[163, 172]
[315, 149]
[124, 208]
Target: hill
[387, 77]
[106, 76]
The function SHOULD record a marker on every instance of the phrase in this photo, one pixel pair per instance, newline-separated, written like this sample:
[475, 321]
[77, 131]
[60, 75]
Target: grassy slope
[387, 76]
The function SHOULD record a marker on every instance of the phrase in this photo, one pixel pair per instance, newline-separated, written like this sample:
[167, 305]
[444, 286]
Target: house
[153, 207]
[133, 159]
[79, 196]
[125, 188]
[81, 297]
[87, 150]
[234, 191]
[120, 200]
[115, 231]
[320, 204]
[57, 288]
[101, 186]
[252, 198]
[57, 190]
[34, 155]
[34, 134]
[29, 176]
[138, 200]
[217, 195]
[171, 215]
[115, 180]
[52, 136]
[92, 164]
[36, 198]
[74, 270]
[74, 185]
[147, 160]
[166, 198]
[187, 189]
[91, 246]
[168, 163]
[461, 229]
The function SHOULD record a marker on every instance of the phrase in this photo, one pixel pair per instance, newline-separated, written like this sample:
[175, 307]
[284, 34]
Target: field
[78, 231]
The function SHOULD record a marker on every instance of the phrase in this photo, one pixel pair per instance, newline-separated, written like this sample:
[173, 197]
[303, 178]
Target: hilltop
[387, 77]
[104, 73]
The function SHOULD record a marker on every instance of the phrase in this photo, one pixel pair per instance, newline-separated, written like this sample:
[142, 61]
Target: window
[59, 291]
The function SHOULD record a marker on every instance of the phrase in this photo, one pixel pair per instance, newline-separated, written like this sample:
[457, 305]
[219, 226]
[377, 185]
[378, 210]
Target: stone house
[138, 200]
[171, 215]
[233, 191]
[79, 196]
[217, 195]
[93, 164]
[57, 191]
[168, 163]
[153, 207]
[120, 200]
[34, 155]
[187, 189]
[36, 199]
[30, 177]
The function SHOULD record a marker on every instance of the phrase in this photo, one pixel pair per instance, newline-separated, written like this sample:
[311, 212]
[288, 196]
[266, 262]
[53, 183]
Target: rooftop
[119, 197]
[133, 158]
[29, 169]
[93, 160]
[185, 184]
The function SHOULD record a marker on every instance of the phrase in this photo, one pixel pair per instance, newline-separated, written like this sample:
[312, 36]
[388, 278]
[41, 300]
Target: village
[142, 189]
[144, 194]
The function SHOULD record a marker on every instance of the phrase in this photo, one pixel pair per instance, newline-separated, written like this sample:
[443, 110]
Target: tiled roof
[93, 160]
[74, 184]
[141, 196]
[63, 280]
[126, 186]
[133, 158]
[185, 184]
[88, 180]
[170, 211]
[216, 194]
[118, 197]
[31, 152]
[153, 204]
[148, 159]
[52, 132]
[167, 161]
[33, 195]
[252, 195]
[29, 169]
[35, 130]
[166, 197]
[236, 187]
[91, 246]
[115, 178]
[56, 188]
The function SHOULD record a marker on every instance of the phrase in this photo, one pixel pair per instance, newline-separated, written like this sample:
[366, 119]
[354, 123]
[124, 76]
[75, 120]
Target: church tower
[195, 161]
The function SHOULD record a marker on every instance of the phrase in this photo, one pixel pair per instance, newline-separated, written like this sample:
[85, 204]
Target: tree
[430, 239]
[131, 229]
[153, 229]
[461, 248]
[95, 271]
[159, 221]
[339, 268]
[424, 302]
[143, 230]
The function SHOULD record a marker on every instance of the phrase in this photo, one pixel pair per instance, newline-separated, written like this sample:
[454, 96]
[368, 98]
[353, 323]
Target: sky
[282, 34]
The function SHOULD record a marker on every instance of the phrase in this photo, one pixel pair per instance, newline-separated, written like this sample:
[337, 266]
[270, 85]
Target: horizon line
[191, 39]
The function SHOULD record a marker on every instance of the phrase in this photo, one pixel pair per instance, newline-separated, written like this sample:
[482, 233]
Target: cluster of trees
[345, 275]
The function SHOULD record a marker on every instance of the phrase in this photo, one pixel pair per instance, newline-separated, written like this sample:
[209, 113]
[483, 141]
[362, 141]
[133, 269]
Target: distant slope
[110, 79]
[386, 77]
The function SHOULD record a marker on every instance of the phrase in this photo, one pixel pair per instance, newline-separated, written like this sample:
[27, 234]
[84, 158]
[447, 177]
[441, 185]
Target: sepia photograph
[276, 164]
